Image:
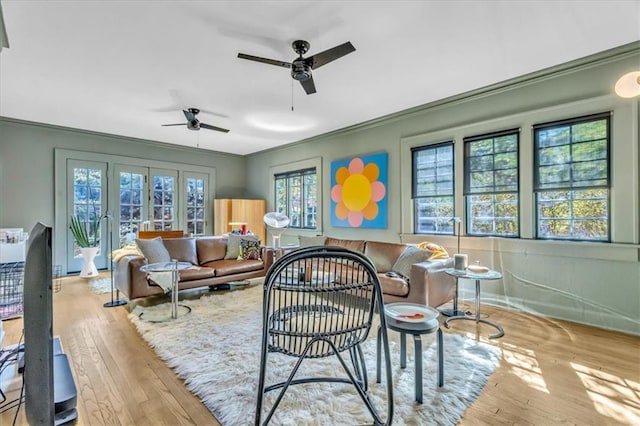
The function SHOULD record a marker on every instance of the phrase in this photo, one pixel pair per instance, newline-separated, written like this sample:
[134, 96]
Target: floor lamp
[113, 302]
[451, 312]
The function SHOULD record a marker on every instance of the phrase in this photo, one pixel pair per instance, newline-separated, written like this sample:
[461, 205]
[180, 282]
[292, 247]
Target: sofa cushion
[355, 245]
[305, 241]
[233, 245]
[196, 273]
[182, 249]
[409, 256]
[210, 249]
[383, 255]
[397, 286]
[229, 267]
[250, 250]
[153, 250]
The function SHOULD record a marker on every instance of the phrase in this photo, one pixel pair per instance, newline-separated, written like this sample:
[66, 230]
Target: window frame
[537, 186]
[468, 192]
[313, 162]
[303, 192]
[414, 190]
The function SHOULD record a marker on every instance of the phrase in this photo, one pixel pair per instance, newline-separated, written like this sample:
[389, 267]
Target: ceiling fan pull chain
[291, 95]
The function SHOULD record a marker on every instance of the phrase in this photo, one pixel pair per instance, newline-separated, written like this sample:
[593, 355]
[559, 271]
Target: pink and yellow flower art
[359, 191]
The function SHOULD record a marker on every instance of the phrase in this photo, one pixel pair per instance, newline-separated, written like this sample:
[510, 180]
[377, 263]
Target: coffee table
[172, 267]
[489, 275]
[405, 319]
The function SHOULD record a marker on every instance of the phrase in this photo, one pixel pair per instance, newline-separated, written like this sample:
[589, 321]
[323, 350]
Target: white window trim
[624, 150]
[310, 163]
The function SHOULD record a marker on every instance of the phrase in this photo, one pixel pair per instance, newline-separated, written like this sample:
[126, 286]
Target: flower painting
[359, 191]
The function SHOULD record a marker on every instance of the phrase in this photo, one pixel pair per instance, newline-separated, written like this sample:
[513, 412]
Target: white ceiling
[126, 67]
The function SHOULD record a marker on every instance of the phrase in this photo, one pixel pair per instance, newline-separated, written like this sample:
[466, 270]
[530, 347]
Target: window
[131, 201]
[432, 188]
[296, 196]
[572, 178]
[491, 184]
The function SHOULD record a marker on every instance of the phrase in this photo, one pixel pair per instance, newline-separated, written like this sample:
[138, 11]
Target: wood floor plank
[551, 372]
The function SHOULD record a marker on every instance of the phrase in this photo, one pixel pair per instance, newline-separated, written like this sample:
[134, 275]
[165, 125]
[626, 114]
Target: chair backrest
[317, 299]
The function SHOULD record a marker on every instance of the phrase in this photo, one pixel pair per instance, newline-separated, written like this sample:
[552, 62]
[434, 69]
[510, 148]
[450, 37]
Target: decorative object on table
[359, 191]
[476, 268]
[237, 320]
[276, 223]
[460, 261]
[628, 86]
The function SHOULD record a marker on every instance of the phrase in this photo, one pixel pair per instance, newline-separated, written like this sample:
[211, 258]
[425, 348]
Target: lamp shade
[628, 85]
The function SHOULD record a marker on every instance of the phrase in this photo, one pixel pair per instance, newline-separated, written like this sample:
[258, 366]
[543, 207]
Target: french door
[147, 199]
[87, 200]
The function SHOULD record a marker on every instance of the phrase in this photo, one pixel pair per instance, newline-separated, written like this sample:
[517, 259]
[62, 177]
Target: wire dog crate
[11, 289]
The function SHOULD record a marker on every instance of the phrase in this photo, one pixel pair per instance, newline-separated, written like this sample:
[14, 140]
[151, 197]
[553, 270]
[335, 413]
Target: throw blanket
[439, 252]
[163, 279]
[118, 254]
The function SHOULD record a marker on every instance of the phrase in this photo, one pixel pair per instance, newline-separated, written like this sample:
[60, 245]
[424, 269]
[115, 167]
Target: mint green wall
[27, 166]
[585, 282]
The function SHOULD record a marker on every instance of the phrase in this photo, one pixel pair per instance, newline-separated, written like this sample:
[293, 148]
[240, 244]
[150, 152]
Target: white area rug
[100, 285]
[216, 349]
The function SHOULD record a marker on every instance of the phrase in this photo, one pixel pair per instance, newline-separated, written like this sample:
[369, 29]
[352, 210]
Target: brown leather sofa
[211, 269]
[426, 284]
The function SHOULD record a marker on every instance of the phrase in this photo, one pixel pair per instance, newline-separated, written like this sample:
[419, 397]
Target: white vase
[89, 269]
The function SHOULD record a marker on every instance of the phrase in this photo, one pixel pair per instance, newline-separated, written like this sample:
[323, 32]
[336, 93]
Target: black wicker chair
[320, 302]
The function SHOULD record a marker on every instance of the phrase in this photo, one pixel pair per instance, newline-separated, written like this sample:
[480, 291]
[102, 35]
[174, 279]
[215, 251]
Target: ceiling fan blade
[309, 86]
[177, 124]
[188, 115]
[265, 60]
[210, 127]
[322, 58]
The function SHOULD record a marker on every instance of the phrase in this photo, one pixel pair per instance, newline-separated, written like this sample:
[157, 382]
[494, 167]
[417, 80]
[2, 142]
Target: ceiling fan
[301, 67]
[194, 124]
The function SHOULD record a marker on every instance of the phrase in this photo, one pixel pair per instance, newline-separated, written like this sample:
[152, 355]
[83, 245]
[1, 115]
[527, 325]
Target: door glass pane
[195, 205]
[131, 185]
[87, 202]
[163, 192]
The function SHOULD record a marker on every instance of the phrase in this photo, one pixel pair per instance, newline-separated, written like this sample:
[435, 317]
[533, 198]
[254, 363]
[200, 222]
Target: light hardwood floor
[551, 372]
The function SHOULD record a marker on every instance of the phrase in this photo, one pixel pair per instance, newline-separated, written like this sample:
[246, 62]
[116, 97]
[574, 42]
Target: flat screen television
[50, 393]
[38, 327]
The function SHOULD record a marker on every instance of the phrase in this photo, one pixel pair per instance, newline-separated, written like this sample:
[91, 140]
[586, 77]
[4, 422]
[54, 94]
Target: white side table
[490, 275]
[172, 267]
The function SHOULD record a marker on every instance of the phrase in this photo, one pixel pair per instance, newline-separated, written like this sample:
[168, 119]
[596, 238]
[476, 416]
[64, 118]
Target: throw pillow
[154, 250]
[182, 249]
[249, 250]
[409, 256]
[233, 245]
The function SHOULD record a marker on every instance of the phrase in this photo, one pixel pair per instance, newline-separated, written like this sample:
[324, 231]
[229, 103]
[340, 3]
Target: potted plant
[88, 240]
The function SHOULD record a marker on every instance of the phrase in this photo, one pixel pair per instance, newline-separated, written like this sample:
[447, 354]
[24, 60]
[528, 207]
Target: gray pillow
[409, 256]
[182, 249]
[233, 244]
[311, 241]
[154, 250]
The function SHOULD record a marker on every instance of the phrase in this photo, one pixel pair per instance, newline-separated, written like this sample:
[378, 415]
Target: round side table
[490, 275]
[399, 318]
[172, 267]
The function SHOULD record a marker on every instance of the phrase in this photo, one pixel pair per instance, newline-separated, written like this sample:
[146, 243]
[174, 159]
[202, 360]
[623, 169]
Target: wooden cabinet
[235, 210]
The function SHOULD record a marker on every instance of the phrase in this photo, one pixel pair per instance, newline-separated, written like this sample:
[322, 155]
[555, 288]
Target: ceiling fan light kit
[628, 86]
[301, 67]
